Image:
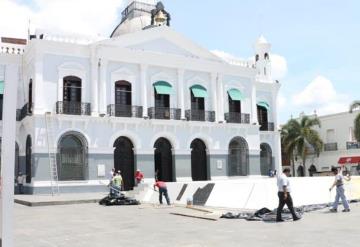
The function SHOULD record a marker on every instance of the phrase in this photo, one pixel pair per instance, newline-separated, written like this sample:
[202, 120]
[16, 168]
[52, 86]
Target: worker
[340, 192]
[139, 176]
[284, 189]
[162, 190]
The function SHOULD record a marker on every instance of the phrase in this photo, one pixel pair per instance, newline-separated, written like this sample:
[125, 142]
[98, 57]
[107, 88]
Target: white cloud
[77, 16]
[278, 66]
[281, 101]
[320, 95]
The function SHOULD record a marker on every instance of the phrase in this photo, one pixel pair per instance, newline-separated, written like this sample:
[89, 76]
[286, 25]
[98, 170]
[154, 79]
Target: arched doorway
[300, 171]
[163, 160]
[17, 163]
[198, 161]
[238, 158]
[28, 159]
[124, 161]
[265, 159]
[72, 158]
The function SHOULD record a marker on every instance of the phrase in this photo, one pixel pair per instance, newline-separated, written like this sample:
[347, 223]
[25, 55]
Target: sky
[315, 43]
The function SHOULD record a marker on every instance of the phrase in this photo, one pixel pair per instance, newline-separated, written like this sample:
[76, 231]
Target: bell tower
[159, 16]
[262, 59]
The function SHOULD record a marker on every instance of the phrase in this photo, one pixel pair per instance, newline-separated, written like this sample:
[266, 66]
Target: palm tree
[299, 138]
[354, 105]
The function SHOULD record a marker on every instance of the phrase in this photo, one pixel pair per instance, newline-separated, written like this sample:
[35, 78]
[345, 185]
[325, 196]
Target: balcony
[72, 108]
[164, 113]
[199, 115]
[352, 145]
[125, 111]
[267, 126]
[25, 111]
[330, 147]
[237, 117]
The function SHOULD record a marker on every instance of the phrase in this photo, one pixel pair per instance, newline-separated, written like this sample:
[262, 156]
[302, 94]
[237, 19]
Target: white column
[254, 118]
[39, 103]
[102, 87]
[60, 88]
[214, 101]
[220, 88]
[274, 108]
[94, 84]
[8, 155]
[144, 93]
[181, 97]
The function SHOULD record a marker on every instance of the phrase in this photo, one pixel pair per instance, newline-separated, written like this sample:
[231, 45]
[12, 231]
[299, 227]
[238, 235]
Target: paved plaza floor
[91, 225]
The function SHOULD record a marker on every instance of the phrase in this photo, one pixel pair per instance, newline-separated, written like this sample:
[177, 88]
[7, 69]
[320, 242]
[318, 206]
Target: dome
[133, 25]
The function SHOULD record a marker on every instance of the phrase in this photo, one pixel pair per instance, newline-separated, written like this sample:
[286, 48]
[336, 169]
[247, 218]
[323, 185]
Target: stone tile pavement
[92, 225]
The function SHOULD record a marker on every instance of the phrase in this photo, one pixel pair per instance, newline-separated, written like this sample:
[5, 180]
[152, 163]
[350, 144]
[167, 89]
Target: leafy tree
[353, 106]
[299, 138]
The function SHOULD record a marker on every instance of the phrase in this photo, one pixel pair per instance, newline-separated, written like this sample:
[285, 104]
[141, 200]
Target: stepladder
[54, 178]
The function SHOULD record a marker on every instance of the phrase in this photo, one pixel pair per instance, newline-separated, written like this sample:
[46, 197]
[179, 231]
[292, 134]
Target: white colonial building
[340, 144]
[146, 98]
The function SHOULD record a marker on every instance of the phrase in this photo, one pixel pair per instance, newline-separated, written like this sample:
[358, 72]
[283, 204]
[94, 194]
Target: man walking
[340, 192]
[162, 190]
[284, 189]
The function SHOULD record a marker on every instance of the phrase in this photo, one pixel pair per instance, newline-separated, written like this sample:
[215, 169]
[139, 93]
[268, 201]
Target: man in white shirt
[284, 189]
[340, 192]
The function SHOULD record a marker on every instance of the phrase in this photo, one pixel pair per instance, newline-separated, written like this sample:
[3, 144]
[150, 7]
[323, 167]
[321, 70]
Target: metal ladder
[54, 178]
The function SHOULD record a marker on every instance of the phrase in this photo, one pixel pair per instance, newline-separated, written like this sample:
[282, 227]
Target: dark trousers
[21, 190]
[165, 192]
[289, 204]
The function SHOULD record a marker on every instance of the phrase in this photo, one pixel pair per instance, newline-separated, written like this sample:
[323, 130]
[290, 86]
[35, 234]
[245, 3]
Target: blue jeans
[340, 193]
[165, 192]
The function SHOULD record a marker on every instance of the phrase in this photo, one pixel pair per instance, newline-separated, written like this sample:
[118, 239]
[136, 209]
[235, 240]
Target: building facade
[146, 98]
[340, 145]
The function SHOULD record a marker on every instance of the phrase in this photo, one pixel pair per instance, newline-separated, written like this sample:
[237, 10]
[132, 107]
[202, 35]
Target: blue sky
[319, 39]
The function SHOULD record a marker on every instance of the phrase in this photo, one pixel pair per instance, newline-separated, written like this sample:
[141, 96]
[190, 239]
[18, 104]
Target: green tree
[299, 138]
[354, 105]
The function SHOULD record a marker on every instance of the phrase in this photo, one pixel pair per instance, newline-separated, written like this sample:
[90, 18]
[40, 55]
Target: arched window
[198, 161]
[72, 95]
[257, 57]
[72, 157]
[238, 158]
[123, 99]
[30, 106]
[198, 94]
[234, 99]
[28, 159]
[266, 56]
[163, 160]
[262, 113]
[265, 159]
[163, 90]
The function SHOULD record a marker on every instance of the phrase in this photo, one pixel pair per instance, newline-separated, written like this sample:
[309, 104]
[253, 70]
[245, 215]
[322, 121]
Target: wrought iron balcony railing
[164, 113]
[72, 108]
[330, 146]
[25, 111]
[352, 145]
[125, 111]
[267, 126]
[200, 115]
[237, 117]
